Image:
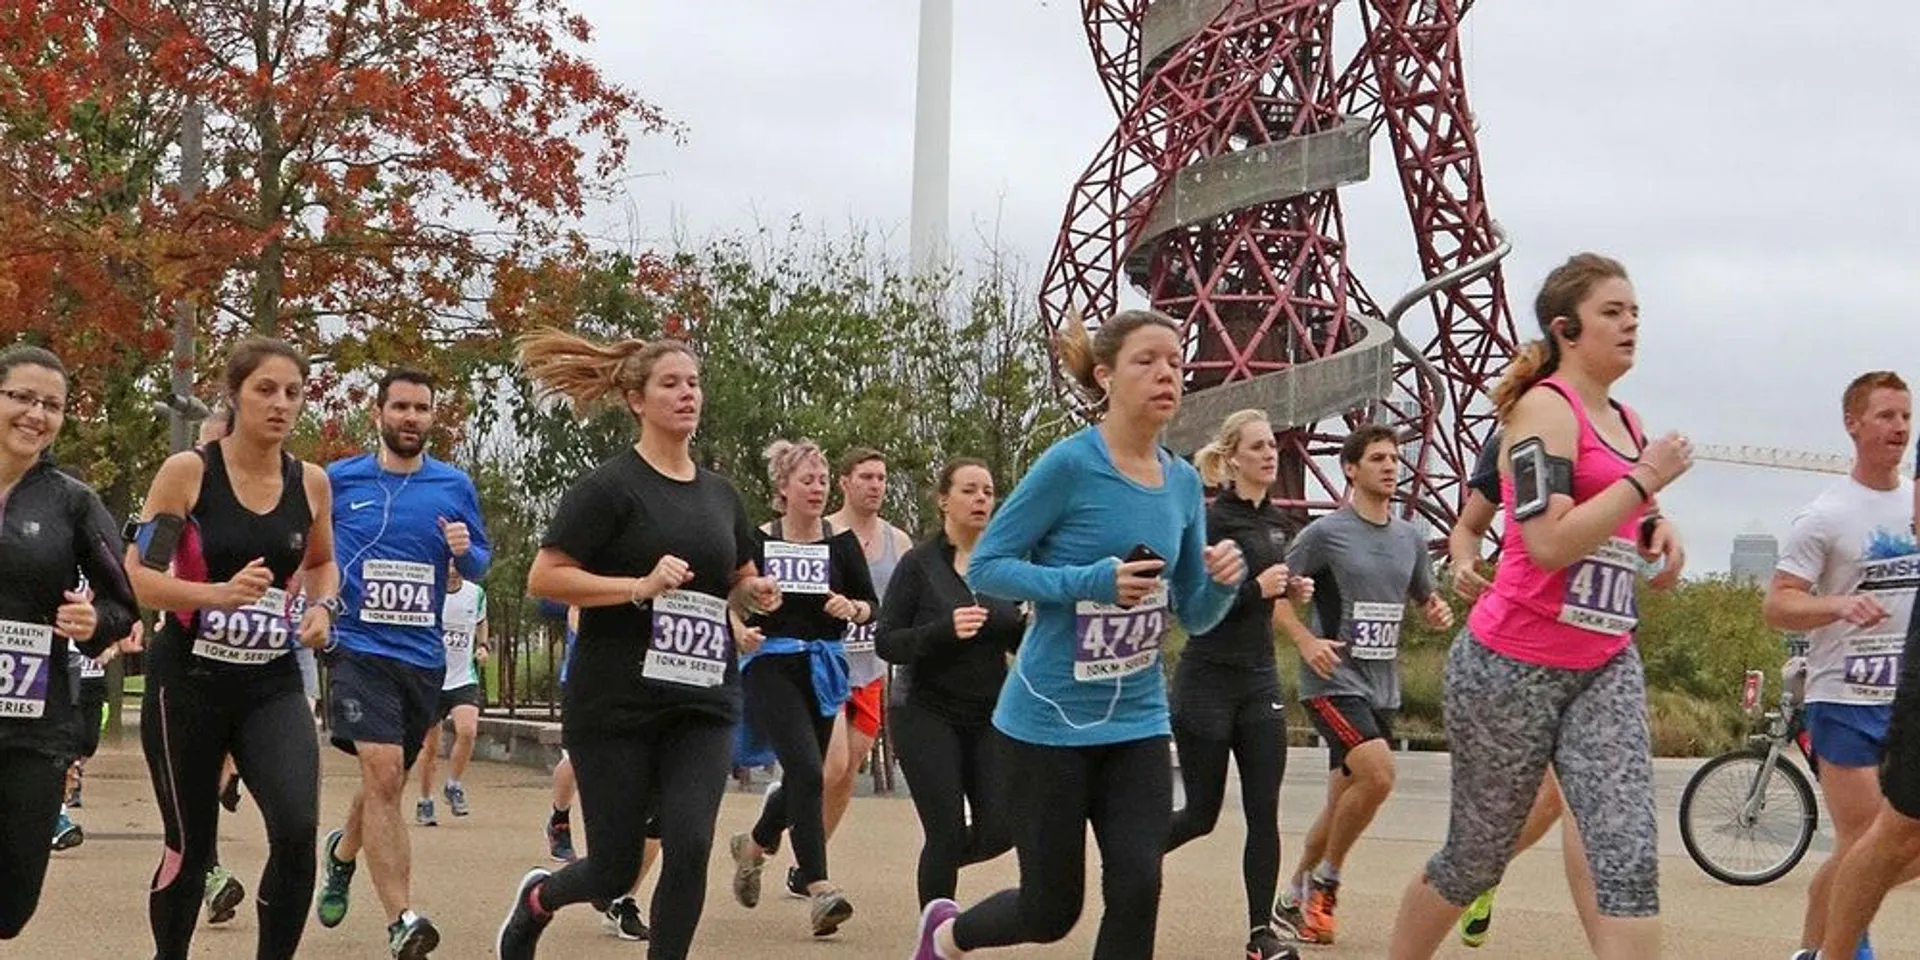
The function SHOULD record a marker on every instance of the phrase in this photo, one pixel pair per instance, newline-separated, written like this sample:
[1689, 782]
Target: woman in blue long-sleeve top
[1106, 536]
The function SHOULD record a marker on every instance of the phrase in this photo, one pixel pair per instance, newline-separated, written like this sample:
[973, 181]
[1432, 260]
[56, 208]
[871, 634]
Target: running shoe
[1477, 922]
[224, 894]
[1288, 920]
[67, 834]
[456, 798]
[1264, 944]
[411, 937]
[1864, 951]
[423, 814]
[622, 919]
[73, 792]
[937, 912]
[560, 840]
[830, 910]
[746, 870]
[796, 888]
[337, 881]
[1322, 897]
[520, 932]
[230, 794]
[1805, 955]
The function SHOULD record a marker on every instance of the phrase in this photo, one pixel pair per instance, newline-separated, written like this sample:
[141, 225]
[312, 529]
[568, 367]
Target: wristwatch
[331, 605]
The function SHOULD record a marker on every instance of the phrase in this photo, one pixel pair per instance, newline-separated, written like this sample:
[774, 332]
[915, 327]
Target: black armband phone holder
[1537, 477]
[156, 540]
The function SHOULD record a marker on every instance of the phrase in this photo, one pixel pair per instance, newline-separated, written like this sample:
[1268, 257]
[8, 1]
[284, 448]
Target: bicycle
[1755, 799]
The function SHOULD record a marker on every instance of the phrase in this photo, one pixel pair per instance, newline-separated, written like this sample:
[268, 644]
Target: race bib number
[1113, 642]
[1600, 590]
[255, 633]
[1871, 666]
[397, 593]
[799, 567]
[459, 643]
[90, 669]
[860, 636]
[25, 649]
[1376, 630]
[690, 640]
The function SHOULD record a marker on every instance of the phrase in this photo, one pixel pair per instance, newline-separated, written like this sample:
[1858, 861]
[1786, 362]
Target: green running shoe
[332, 907]
[1477, 923]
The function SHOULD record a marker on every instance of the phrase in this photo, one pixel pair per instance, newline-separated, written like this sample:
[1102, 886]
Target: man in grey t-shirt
[1366, 565]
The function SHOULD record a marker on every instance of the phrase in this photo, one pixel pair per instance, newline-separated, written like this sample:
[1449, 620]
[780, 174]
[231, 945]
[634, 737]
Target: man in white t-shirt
[1846, 577]
[463, 627]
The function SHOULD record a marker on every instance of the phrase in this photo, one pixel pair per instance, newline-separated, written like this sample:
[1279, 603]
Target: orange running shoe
[1322, 895]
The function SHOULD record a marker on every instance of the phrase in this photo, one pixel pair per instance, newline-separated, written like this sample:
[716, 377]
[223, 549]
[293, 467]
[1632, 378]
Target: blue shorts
[1849, 734]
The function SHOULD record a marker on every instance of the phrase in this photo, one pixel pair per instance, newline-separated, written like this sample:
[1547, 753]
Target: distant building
[1755, 554]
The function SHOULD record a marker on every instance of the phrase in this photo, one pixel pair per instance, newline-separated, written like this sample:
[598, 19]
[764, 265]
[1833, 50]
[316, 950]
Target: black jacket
[53, 531]
[1244, 637]
[957, 679]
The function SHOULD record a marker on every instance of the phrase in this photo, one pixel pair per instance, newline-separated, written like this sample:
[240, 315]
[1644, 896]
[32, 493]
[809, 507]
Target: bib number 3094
[690, 640]
[397, 593]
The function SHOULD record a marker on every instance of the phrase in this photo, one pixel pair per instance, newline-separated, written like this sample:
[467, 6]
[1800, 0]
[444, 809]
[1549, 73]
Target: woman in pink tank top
[1546, 672]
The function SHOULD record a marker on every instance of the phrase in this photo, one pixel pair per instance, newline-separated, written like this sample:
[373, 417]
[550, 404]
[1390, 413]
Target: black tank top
[229, 537]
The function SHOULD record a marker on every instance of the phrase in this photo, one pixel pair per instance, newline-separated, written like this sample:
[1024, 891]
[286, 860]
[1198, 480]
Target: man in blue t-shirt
[399, 518]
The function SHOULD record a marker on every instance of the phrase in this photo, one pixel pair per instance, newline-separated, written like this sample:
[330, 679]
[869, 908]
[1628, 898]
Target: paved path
[464, 871]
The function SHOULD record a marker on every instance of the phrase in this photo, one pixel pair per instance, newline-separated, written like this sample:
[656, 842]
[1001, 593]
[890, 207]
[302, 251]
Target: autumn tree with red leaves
[386, 182]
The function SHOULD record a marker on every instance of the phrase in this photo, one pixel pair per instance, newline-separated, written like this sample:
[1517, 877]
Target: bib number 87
[17, 674]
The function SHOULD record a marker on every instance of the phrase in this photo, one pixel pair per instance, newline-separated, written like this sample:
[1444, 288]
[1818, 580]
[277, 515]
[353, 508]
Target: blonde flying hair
[588, 372]
[786, 456]
[1560, 296]
[1215, 460]
[1079, 353]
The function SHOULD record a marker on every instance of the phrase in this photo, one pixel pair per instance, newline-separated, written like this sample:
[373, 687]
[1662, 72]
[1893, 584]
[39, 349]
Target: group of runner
[1028, 701]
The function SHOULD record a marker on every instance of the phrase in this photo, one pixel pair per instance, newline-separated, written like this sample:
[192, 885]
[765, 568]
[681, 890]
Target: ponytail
[586, 372]
[1535, 361]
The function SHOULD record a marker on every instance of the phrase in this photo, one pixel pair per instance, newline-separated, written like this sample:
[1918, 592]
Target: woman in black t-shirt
[658, 554]
[951, 646]
[797, 682]
[56, 541]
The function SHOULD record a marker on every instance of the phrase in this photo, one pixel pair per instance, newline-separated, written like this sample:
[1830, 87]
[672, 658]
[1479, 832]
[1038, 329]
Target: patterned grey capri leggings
[1506, 720]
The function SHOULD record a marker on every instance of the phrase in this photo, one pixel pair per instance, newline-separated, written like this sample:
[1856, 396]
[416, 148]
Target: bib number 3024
[690, 641]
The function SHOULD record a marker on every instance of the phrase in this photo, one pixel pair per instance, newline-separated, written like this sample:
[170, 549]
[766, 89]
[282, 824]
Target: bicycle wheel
[1737, 848]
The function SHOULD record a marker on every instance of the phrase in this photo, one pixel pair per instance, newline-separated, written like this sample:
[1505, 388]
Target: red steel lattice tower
[1216, 197]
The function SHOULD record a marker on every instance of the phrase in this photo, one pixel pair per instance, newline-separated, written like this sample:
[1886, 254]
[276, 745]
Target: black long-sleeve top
[956, 679]
[1244, 637]
[53, 531]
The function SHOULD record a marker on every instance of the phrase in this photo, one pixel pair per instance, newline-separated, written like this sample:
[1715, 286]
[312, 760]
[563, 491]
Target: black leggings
[1219, 711]
[952, 768]
[781, 705]
[1126, 791]
[31, 786]
[676, 773]
[187, 730]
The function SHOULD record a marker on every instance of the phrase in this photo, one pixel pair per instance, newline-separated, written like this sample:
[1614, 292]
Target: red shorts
[863, 708]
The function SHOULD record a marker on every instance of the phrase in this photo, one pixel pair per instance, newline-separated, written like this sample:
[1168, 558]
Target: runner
[1887, 853]
[1103, 535]
[1226, 692]
[796, 683]
[245, 528]
[1463, 548]
[463, 625]
[61, 589]
[92, 675]
[863, 490]
[402, 519]
[225, 892]
[951, 647]
[1846, 578]
[1367, 565]
[1546, 671]
[648, 545]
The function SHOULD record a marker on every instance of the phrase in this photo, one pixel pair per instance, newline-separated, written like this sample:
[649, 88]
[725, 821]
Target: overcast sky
[1751, 161]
